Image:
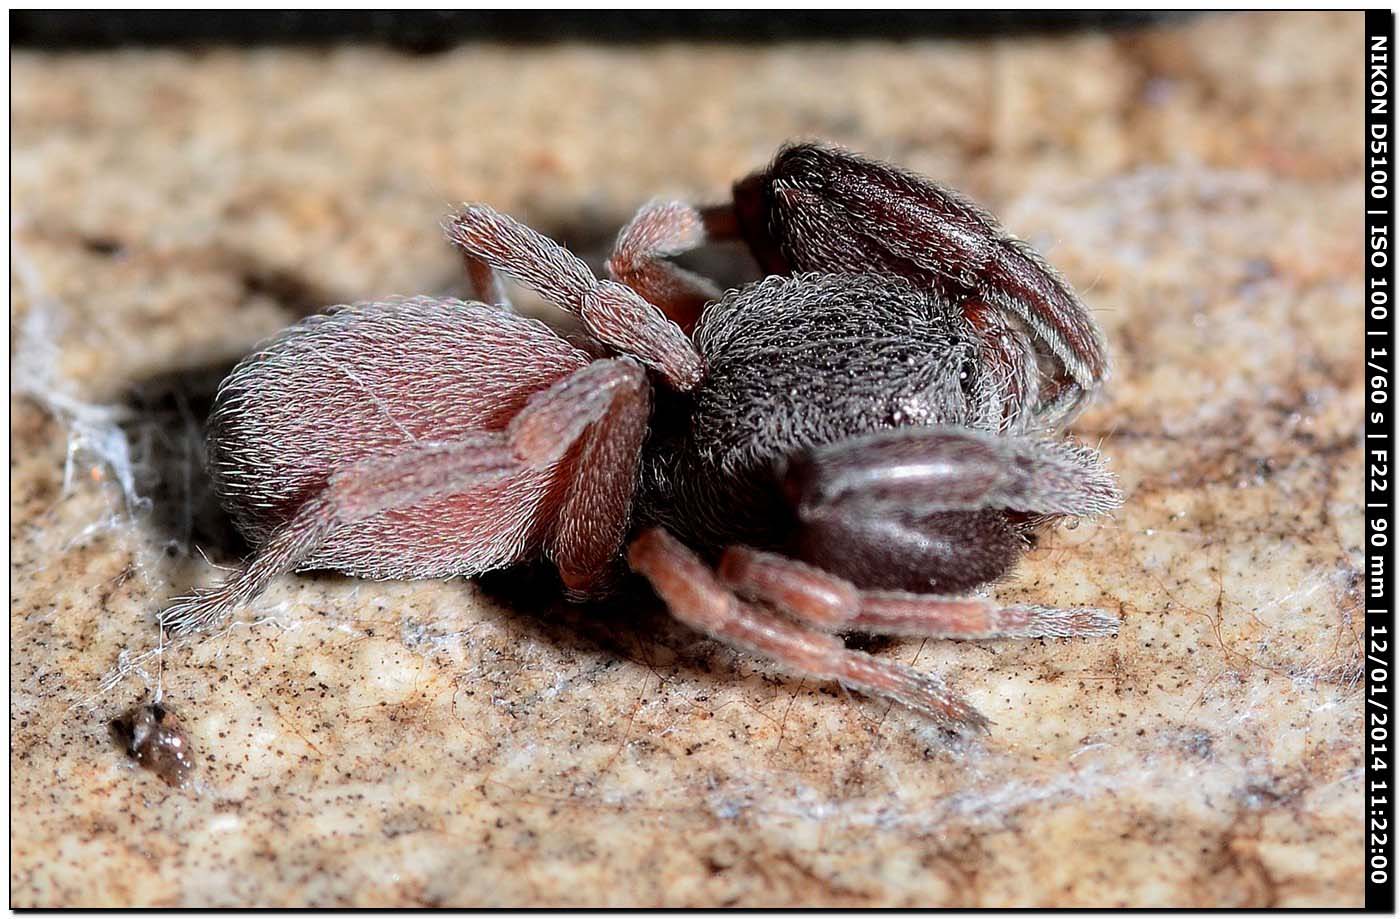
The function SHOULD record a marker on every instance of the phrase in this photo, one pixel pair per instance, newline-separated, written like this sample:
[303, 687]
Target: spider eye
[966, 374]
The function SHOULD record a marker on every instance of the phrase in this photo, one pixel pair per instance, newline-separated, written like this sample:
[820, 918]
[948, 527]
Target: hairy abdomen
[338, 388]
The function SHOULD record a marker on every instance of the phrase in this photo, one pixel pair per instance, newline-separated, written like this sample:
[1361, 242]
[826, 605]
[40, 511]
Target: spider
[853, 443]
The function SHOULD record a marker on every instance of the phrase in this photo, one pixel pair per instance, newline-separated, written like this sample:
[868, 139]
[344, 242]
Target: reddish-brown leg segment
[1010, 361]
[639, 260]
[834, 604]
[1020, 282]
[484, 284]
[696, 597]
[613, 313]
[721, 222]
[353, 493]
[605, 407]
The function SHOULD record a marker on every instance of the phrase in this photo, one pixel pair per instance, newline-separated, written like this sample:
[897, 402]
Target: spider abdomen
[364, 381]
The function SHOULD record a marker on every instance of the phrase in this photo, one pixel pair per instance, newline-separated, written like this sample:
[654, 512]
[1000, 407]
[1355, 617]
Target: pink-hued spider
[850, 444]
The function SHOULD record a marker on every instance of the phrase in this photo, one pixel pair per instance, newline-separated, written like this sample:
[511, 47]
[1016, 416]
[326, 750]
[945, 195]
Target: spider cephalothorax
[851, 443]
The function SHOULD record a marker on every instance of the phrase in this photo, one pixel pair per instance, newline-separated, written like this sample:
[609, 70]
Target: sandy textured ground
[441, 743]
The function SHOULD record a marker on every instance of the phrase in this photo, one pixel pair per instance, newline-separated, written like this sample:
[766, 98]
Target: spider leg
[818, 208]
[925, 470]
[1009, 360]
[357, 491]
[1018, 281]
[696, 597]
[599, 412]
[613, 313]
[639, 260]
[835, 604]
[721, 222]
[939, 510]
[484, 285]
[604, 408]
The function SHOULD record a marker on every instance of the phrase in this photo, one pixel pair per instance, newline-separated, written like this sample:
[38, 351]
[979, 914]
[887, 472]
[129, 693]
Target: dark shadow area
[297, 295]
[428, 31]
[626, 625]
[166, 433]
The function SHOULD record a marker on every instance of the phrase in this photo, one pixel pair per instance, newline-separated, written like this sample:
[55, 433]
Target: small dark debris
[103, 245]
[870, 644]
[154, 737]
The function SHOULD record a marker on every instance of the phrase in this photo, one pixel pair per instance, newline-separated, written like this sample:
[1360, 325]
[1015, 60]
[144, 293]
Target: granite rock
[396, 744]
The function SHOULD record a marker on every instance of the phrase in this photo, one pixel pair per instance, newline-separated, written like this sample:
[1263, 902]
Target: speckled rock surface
[449, 743]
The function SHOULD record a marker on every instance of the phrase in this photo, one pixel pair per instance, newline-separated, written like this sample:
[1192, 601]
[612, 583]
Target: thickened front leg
[696, 597]
[926, 470]
[936, 510]
[818, 208]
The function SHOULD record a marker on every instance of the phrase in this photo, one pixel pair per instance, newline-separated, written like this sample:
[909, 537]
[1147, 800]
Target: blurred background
[184, 185]
[427, 31]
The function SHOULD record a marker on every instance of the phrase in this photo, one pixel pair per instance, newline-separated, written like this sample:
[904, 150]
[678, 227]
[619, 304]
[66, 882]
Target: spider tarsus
[195, 612]
[1033, 621]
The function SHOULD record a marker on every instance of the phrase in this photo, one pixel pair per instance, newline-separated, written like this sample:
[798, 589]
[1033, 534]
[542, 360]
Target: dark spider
[855, 441]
